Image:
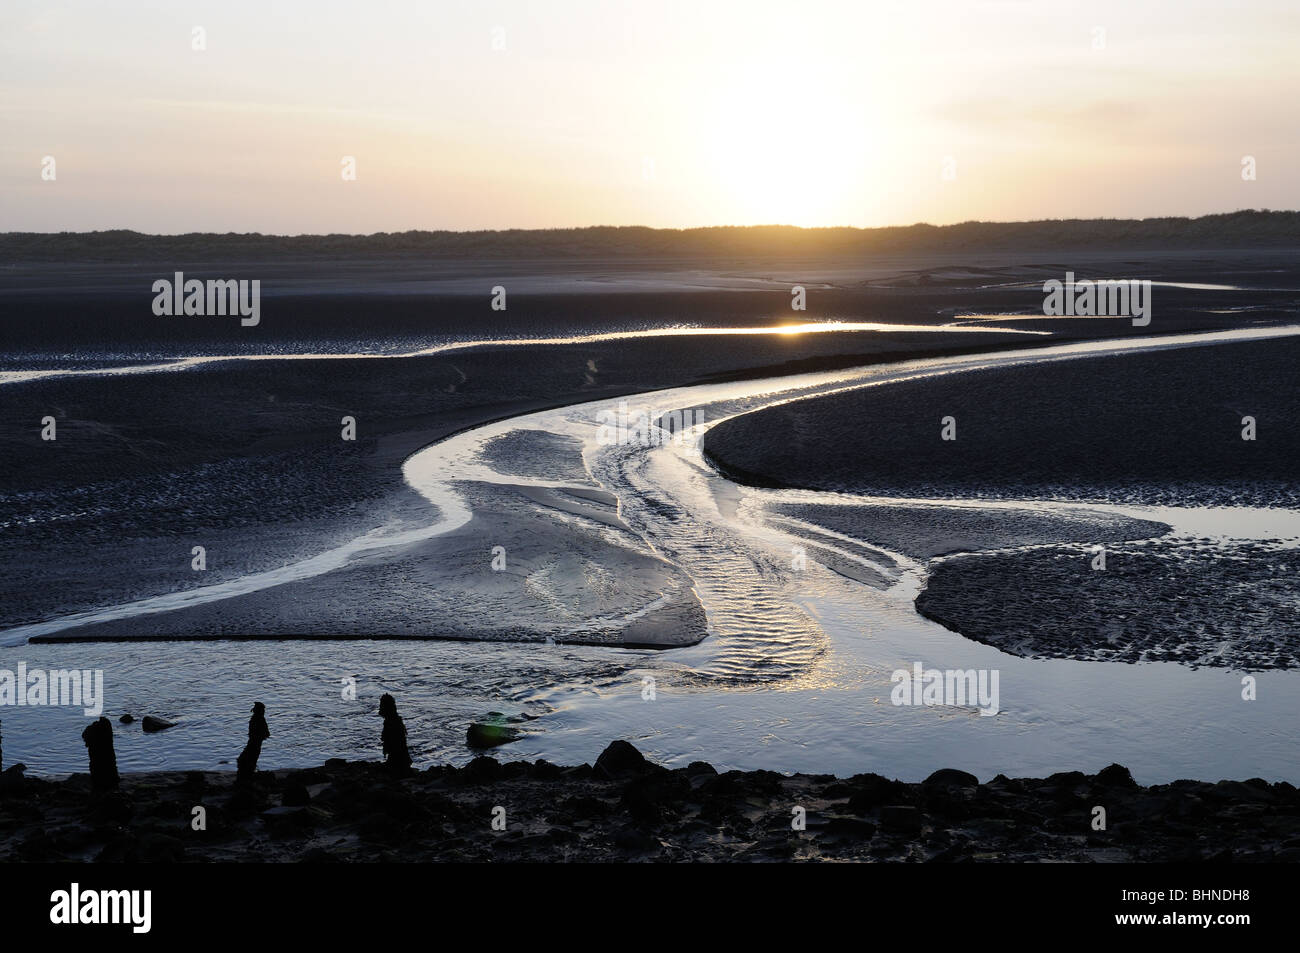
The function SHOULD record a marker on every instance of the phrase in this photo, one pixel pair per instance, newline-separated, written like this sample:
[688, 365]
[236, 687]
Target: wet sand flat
[1141, 429]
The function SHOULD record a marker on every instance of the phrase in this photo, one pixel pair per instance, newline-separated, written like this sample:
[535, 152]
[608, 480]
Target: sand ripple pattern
[756, 634]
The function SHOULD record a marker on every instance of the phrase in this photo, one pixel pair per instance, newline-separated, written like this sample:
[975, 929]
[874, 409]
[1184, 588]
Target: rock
[307, 776]
[381, 828]
[489, 734]
[850, 827]
[245, 801]
[1116, 776]
[1238, 792]
[648, 796]
[152, 724]
[258, 732]
[950, 777]
[901, 819]
[155, 848]
[952, 854]
[397, 756]
[127, 719]
[742, 784]
[1001, 784]
[1066, 779]
[992, 828]
[545, 771]
[112, 808]
[1187, 806]
[287, 821]
[482, 769]
[295, 795]
[641, 805]
[634, 840]
[11, 780]
[872, 790]
[98, 738]
[584, 807]
[620, 760]
[319, 855]
[700, 773]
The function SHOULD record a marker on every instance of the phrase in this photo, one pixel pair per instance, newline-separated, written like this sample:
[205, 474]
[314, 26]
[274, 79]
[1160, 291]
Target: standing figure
[98, 737]
[257, 733]
[396, 757]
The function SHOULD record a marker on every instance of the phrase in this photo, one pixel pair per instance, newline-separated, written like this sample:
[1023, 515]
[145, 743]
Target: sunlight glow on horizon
[672, 114]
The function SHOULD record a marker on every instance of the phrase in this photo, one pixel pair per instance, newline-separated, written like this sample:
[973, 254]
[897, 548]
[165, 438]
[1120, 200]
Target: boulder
[850, 827]
[620, 760]
[1116, 776]
[288, 821]
[156, 848]
[481, 770]
[950, 778]
[872, 790]
[152, 724]
[901, 819]
[700, 772]
[11, 780]
[295, 794]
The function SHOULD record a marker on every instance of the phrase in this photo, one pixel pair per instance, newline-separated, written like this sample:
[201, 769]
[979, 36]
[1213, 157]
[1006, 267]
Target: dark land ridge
[1244, 228]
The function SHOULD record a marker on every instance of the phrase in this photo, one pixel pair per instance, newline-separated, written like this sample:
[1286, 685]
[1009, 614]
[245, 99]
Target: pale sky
[669, 114]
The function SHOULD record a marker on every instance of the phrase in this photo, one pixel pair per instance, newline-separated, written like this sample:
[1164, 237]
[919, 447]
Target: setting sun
[786, 145]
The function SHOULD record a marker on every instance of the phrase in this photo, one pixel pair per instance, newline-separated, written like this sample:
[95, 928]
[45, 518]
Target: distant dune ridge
[1246, 228]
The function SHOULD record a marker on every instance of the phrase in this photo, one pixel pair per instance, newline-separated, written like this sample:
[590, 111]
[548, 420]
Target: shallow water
[794, 676]
[111, 366]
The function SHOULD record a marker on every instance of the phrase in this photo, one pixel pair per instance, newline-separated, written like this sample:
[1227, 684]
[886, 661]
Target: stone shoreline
[625, 808]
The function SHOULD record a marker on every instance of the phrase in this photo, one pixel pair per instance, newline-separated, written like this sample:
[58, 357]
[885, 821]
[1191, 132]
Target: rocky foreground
[625, 808]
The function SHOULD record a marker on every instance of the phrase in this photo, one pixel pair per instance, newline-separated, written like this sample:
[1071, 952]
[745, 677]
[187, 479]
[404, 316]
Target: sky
[238, 115]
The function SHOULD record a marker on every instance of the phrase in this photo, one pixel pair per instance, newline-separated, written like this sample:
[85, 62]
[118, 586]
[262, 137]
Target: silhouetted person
[397, 759]
[257, 733]
[98, 737]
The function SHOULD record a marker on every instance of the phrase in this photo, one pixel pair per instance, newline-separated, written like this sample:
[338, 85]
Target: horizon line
[668, 229]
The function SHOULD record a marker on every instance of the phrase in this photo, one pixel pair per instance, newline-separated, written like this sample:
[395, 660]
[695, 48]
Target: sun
[785, 149]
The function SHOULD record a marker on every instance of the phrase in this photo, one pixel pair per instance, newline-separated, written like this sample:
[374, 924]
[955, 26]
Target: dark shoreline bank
[627, 809]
